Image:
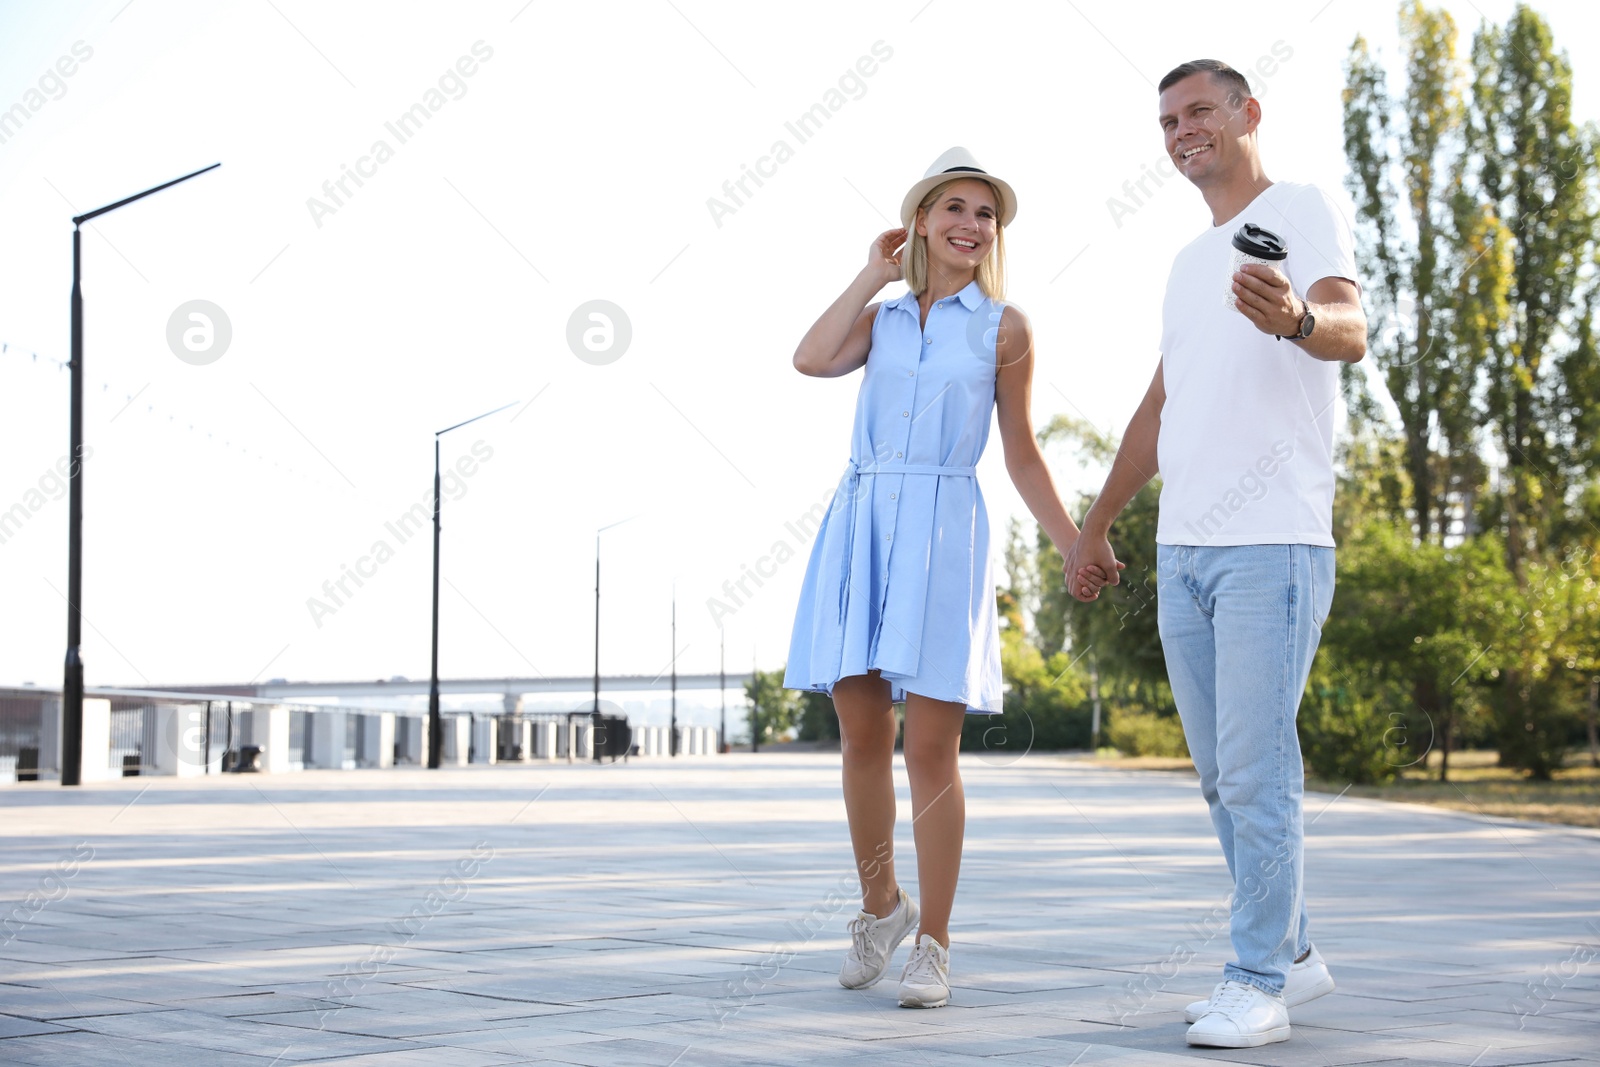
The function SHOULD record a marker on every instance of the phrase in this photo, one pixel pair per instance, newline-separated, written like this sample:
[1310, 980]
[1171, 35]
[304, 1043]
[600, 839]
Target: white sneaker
[1308, 980]
[925, 983]
[1240, 1016]
[873, 941]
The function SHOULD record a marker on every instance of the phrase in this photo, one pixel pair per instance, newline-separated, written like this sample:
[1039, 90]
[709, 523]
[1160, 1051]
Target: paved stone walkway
[692, 913]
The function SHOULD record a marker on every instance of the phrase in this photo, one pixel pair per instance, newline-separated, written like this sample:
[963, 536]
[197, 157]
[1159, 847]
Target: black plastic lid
[1262, 243]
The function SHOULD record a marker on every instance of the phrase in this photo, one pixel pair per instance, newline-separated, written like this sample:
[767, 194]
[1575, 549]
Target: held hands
[1265, 297]
[884, 257]
[1087, 565]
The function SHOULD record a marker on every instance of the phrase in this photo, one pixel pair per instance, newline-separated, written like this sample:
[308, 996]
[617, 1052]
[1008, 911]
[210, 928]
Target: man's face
[1206, 133]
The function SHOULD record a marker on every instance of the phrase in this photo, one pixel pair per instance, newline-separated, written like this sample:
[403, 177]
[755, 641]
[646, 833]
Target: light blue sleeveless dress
[899, 578]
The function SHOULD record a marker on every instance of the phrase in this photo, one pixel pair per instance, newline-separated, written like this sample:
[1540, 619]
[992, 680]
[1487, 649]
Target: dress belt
[852, 490]
[859, 468]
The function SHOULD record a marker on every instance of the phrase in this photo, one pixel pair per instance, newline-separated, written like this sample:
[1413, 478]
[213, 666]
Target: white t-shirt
[1246, 443]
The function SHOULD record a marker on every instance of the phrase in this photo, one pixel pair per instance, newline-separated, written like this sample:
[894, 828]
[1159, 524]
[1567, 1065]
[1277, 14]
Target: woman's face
[960, 226]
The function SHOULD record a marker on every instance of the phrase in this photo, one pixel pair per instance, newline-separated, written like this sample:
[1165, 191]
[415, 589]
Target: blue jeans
[1239, 627]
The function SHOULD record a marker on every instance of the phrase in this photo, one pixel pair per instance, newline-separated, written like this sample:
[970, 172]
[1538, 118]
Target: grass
[1111, 757]
[1476, 784]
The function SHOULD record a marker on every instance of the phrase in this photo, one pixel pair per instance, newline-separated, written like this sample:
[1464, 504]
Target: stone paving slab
[692, 912]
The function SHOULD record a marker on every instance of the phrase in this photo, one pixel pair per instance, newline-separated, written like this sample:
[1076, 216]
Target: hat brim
[1008, 197]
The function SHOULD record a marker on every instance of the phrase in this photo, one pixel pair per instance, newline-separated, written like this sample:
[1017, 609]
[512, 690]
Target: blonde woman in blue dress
[899, 600]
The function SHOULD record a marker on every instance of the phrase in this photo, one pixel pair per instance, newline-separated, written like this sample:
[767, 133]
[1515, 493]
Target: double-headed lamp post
[72, 682]
[435, 725]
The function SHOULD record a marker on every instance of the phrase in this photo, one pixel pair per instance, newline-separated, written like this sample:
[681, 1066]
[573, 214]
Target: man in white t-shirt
[1239, 421]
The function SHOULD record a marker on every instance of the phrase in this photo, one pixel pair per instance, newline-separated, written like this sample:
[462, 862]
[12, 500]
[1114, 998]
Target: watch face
[1307, 324]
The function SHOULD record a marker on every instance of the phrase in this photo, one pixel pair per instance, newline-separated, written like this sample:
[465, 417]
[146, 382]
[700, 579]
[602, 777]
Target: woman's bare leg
[938, 806]
[866, 732]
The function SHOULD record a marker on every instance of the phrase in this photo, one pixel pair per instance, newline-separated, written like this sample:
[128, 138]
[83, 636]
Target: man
[1239, 421]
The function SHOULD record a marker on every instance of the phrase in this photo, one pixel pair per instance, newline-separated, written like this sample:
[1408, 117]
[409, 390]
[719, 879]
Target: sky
[379, 278]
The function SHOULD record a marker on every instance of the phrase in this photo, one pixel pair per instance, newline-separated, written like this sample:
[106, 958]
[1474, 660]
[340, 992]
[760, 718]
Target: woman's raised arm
[839, 340]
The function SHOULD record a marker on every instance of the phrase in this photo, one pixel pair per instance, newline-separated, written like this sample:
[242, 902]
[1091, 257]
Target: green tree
[1414, 636]
[1055, 650]
[1477, 240]
[1044, 704]
[1403, 156]
[818, 721]
[773, 709]
[1118, 633]
[1534, 172]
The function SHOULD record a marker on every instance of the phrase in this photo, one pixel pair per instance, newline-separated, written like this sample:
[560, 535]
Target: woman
[899, 601]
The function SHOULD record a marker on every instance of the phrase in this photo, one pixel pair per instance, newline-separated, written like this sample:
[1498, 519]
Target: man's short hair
[1237, 86]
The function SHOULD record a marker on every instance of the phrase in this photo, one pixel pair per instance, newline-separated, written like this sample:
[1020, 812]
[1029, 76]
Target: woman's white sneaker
[1240, 1016]
[873, 941]
[925, 983]
[1308, 980]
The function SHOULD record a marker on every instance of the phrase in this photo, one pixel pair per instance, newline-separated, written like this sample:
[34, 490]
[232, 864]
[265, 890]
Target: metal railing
[22, 731]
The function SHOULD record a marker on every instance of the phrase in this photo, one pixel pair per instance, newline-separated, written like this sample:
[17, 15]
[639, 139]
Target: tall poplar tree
[1534, 174]
[1406, 157]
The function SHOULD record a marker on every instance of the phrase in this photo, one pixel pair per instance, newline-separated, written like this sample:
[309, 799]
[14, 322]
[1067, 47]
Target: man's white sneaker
[873, 941]
[925, 983]
[1308, 980]
[1240, 1016]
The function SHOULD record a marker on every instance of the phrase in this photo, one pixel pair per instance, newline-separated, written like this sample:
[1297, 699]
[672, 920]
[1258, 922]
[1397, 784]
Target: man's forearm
[1131, 471]
[1340, 335]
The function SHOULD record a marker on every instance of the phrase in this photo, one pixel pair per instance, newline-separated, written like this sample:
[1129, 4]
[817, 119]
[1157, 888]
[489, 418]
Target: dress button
[905, 414]
[891, 496]
[929, 341]
[897, 455]
[911, 374]
[888, 537]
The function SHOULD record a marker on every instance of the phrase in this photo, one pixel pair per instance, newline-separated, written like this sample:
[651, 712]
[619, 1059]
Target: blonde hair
[991, 273]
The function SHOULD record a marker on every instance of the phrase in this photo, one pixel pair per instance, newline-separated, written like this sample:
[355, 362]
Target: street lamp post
[755, 709]
[594, 718]
[435, 724]
[594, 710]
[672, 731]
[72, 682]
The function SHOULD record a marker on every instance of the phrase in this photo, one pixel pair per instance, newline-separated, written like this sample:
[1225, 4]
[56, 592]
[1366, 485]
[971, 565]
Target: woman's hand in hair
[885, 255]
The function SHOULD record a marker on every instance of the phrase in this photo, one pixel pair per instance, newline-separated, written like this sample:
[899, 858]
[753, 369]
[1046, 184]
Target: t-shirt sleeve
[1321, 241]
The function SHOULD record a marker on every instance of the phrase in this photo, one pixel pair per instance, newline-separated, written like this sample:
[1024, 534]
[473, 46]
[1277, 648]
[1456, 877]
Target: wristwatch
[1308, 322]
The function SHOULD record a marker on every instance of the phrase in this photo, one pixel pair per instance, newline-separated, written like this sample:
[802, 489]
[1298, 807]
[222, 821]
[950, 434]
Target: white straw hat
[956, 163]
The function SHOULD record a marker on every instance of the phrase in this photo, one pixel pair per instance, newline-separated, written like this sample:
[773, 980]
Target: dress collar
[971, 296]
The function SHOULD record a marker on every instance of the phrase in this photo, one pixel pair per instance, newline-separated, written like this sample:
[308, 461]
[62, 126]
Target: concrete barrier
[485, 740]
[411, 740]
[97, 742]
[524, 738]
[457, 731]
[179, 742]
[545, 735]
[325, 733]
[375, 738]
[269, 730]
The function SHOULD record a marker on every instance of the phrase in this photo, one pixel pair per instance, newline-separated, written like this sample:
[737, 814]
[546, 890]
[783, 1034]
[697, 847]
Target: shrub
[1140, 733]
[1348, 732]
[1536, 730]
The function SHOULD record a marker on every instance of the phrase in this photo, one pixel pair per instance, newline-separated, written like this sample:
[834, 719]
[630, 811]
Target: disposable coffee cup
[1253, 244]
